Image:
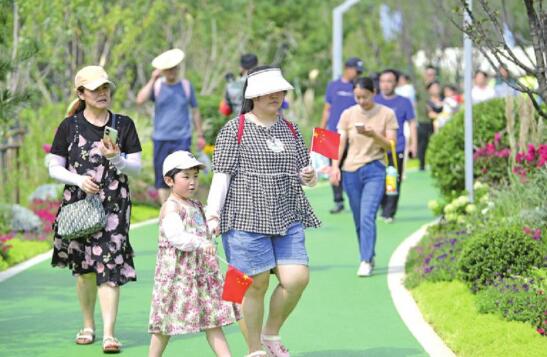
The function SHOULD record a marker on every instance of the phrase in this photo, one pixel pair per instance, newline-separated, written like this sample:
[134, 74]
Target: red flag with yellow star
[326, 143]
[235, 285]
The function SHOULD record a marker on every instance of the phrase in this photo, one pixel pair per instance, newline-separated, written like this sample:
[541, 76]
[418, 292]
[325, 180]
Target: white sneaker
[365, 269]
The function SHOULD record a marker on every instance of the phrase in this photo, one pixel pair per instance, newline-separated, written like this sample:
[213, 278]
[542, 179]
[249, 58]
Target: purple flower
[442, 257]
[537, 234]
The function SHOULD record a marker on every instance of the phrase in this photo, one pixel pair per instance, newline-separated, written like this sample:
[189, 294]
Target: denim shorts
[255, 253]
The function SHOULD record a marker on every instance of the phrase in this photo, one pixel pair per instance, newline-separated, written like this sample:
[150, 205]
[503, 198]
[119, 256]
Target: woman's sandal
[85, 336]
[257, 354]
[111, 345]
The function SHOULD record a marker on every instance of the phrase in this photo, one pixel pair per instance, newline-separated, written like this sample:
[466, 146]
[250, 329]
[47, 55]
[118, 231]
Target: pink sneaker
[274, 347]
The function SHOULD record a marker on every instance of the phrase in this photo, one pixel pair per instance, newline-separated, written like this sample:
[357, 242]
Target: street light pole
[468, 111]
[337, 36]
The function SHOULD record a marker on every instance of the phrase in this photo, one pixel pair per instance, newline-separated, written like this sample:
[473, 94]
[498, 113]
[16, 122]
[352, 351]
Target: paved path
[339, 314]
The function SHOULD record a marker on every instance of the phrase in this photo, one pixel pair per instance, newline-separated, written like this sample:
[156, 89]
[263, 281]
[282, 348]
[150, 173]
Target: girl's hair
[173, 172]
[364, 83]
[78, 105]
[247, 104]
[432, 83]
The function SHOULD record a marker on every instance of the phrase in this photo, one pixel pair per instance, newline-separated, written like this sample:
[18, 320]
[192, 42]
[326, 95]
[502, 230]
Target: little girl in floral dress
[188, 282]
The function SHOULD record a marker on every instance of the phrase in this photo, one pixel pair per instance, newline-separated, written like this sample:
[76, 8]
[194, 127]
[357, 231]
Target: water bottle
[391, 181]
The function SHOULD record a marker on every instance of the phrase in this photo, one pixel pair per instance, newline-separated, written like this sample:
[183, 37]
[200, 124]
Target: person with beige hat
[175, 109]
[89, 163]
[257, 202]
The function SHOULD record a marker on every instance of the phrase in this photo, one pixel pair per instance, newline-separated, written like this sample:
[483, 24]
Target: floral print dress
[188, 285]
[107, 253]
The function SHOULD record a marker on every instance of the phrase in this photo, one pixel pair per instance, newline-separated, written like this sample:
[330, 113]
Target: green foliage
[517, 298]
[140, 212]
[522, 203]
[451, 308]
[435, 257]
[23, 249]
[500, 251]
[446, 149]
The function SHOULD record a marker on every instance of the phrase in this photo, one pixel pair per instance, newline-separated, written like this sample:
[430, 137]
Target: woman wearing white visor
[257, 203]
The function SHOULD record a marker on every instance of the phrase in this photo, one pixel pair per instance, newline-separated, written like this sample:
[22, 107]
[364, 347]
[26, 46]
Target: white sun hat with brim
[91, 78]
[168, 59]
[266, 82]
[181, 160]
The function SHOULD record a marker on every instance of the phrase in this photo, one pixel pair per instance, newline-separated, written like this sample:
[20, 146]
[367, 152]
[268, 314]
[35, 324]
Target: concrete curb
[405, 304]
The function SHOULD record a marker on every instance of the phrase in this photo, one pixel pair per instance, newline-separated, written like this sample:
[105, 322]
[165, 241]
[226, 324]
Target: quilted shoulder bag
[85, 217]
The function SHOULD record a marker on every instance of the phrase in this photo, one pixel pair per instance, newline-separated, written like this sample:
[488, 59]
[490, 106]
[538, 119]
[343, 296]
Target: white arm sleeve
[130, 165]
[173, 229]
[217, 194]
[58, 172]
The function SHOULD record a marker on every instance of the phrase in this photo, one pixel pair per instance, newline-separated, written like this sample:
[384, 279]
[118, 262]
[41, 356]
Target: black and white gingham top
[265, 194]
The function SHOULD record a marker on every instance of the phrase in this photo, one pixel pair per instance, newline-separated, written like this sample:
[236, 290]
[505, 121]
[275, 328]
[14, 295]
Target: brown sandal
[111, 345]
[85, 336]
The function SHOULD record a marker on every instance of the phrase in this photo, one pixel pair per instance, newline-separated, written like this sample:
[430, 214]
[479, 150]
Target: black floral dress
[107, 253]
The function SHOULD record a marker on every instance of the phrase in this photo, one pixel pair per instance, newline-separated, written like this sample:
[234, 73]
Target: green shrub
[517, 298]
[445, 154]
[498, 252]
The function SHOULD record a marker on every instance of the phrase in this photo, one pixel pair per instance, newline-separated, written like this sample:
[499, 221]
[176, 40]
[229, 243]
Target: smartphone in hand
[111, 133]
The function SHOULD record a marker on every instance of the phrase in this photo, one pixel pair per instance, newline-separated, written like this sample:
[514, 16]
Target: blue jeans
[365, 188]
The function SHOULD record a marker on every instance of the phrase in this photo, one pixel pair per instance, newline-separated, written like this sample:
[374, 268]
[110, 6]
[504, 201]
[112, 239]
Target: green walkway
[339, 314]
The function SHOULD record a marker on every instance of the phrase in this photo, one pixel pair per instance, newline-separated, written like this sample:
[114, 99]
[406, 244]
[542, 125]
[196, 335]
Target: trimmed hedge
[499, 252]
[445, 154]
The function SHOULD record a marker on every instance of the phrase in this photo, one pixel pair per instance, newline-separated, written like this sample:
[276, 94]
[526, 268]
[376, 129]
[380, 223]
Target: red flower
[541, 331]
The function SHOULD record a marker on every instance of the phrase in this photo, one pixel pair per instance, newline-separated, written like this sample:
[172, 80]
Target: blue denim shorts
[255, 253]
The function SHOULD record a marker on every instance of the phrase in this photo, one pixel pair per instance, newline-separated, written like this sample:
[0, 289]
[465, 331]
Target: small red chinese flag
[224, 108]
[326, 143]
[235, 285]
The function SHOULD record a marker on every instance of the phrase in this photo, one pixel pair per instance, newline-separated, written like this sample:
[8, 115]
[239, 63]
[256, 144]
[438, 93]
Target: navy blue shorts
[162, 148]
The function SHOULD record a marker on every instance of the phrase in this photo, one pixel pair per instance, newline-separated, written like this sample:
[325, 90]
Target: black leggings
[425, 130]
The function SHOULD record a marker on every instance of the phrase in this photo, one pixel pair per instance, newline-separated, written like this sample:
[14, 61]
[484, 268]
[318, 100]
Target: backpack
[242, 126]
[234, 94]
[184, 83]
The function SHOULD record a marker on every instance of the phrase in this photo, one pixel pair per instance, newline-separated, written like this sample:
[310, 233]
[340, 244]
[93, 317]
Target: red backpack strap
[240, 128]
[291, 127]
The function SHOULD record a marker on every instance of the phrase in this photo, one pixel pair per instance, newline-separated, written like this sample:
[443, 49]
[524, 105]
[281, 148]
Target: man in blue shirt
[339, 96]
[174, 110]
[404, 111]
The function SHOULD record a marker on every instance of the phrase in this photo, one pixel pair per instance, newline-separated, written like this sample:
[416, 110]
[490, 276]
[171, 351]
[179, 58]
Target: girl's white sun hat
[265, 82]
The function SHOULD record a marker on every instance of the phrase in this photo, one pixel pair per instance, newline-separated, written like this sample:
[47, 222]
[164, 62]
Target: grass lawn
[450, 308]
[140, 213]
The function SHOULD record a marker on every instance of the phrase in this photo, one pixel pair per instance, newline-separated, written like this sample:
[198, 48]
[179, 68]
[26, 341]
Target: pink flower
[112, 222]
[490, 149]
[46, 148]
[530, 157]
[497, 138]
[527, 230]
[118, 260]
[81, 141]
[100, 268]
[537, 234]
[113, 185]
[519, 157]
[541, 331]
[531, 149]
[97, 250]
